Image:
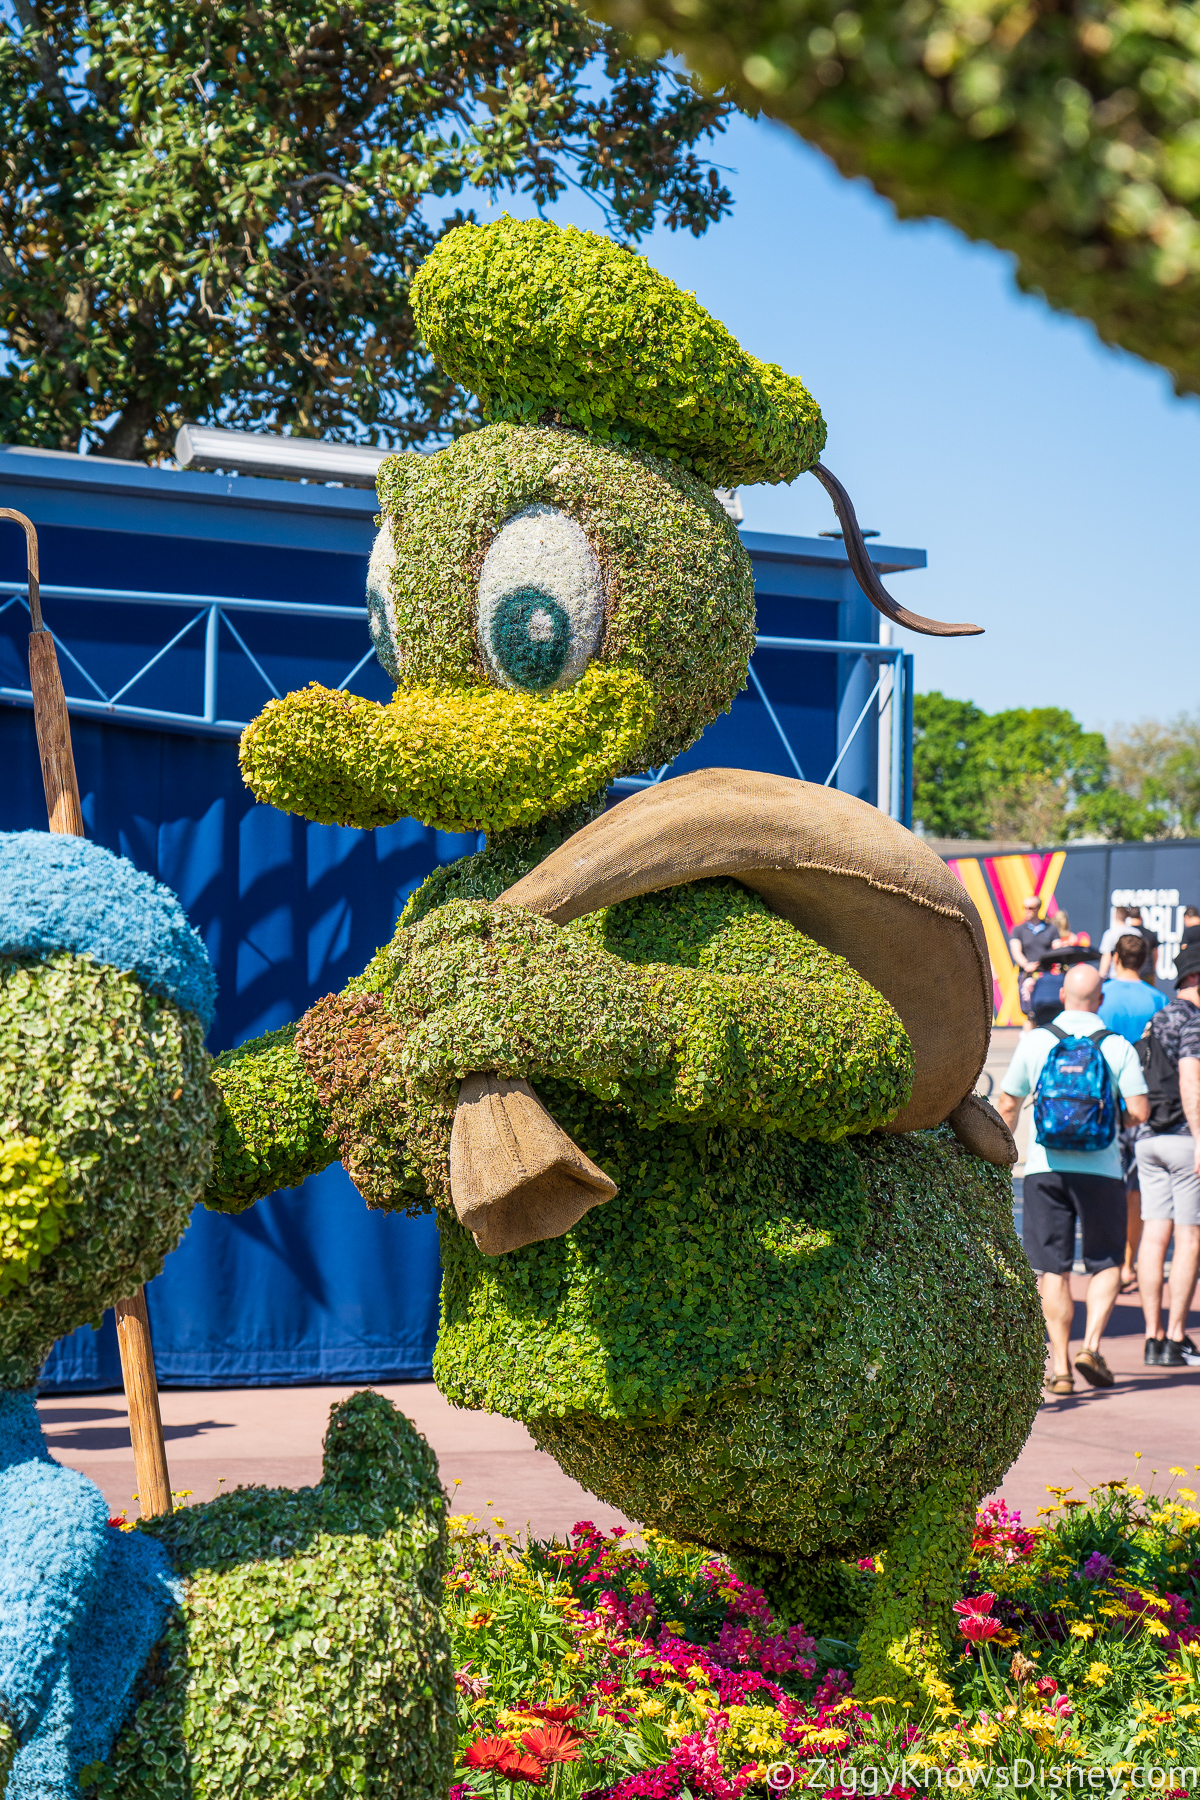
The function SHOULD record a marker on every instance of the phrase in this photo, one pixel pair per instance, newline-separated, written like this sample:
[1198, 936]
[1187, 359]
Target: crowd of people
[1113, 1071]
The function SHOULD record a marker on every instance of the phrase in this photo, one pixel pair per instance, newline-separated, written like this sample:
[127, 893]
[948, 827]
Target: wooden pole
[141, 1397]
[53, 725]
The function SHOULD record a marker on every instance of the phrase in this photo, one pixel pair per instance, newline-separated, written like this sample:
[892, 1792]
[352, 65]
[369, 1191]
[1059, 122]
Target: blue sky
[1052, 481]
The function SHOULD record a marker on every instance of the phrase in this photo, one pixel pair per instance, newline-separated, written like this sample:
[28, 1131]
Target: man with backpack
[1081, 1076]
[1168, 1158]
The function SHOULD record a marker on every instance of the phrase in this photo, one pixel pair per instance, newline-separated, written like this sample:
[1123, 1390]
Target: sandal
[1059, 1385]
[1094, 1369]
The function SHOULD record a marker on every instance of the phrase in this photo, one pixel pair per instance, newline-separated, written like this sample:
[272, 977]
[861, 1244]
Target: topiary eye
[541, 601]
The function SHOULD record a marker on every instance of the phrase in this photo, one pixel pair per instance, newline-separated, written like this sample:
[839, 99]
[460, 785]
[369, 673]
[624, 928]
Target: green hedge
[546, 324]
[310, 1655]
[112, 1082]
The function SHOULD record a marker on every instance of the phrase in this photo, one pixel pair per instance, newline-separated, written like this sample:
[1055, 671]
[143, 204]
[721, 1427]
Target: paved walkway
[220, 1437]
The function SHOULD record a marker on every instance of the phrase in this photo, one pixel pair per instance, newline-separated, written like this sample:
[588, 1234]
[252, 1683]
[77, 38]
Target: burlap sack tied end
[515, 1176]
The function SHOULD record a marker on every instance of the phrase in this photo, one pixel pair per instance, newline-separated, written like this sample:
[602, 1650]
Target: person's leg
[1184, 1266]
[1152, 1254]
[1101, 1298]
[1100, 1202]
[1133, 1236]
[1178, 1155]
[1058, 1310]
[1158, 1214]
[1048, 1234]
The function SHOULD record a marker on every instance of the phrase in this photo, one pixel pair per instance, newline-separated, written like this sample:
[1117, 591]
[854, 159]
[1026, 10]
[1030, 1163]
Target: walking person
[1029, 940]
[1128, 1006]
[1117, 928]
[1135, 922]
[1168, 1157]
[1080, 1090]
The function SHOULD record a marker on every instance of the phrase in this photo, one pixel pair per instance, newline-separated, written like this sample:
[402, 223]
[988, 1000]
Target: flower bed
[627, 1667]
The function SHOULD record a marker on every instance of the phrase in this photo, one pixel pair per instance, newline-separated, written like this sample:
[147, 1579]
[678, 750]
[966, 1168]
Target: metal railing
[213, 611]
[894, 699]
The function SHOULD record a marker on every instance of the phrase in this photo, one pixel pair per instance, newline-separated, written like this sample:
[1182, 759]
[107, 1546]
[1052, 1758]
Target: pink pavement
[220, 1437]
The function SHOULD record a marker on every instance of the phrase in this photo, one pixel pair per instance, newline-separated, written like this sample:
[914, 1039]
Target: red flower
[553, 1743]
[489, 1753]
[980, 1604]
[977, 1629]
[524, 1768]
[502, 1757]
[553, 1715]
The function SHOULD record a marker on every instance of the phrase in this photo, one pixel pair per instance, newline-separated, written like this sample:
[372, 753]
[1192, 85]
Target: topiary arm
[797, 1043]
[272, 1130]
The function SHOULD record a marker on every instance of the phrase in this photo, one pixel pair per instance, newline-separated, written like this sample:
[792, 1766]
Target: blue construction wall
[309, 1285]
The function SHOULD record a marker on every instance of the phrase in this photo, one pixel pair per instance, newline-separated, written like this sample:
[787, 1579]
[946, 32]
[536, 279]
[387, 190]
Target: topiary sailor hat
[567, 327]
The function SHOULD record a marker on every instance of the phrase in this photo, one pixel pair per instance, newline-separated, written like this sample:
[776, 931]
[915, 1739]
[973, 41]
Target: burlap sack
[841, 872]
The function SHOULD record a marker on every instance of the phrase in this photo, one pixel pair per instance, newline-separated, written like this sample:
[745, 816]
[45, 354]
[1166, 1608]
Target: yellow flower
[675, 1625]
[1098, 1674]
[1081, 1629]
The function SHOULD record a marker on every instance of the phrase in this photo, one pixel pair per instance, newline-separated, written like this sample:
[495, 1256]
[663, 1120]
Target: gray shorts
[1170, 1185]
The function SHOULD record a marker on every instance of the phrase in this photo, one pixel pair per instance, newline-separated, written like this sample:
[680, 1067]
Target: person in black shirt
[1027, 942]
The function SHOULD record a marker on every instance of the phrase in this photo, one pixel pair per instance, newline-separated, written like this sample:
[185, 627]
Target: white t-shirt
[1022, 1078]
[1111, 938]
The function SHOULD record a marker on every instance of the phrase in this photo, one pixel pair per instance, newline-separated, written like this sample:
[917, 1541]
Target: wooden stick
[53, 725]
[141, 1397]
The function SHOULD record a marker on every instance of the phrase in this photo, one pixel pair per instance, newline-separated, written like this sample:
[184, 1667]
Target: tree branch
[51, 79]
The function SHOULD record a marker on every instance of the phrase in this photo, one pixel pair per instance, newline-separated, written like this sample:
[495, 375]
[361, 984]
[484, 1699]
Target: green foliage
[34, 1198]
[501, 863]
[543, 323]
[678, 582]
[271, 1130]
[1029, 774]
[759, 1344]
[1154, 788]
[310, 1654]
[906, 1639]
[1066, 135]
[699, 1007]
[213, 211]
[114, 1081]
[480, 758]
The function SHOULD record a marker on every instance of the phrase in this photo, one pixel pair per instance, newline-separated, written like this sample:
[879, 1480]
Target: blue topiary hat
[65, 893]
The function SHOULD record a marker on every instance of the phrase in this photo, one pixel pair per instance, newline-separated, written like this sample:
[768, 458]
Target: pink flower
[977, 1629]
[980, 1603]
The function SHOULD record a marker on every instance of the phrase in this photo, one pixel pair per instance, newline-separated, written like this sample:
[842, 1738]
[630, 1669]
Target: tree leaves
[213, 212]
[1032, 773]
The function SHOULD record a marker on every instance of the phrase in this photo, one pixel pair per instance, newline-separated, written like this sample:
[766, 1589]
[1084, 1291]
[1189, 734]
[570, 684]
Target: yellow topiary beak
[475, 758]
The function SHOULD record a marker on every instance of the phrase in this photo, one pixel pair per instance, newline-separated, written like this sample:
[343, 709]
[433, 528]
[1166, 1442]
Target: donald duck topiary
[273, 1642]
[689, 1083]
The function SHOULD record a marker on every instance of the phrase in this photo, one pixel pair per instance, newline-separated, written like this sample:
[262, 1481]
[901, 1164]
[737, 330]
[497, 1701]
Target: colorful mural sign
[999, 885]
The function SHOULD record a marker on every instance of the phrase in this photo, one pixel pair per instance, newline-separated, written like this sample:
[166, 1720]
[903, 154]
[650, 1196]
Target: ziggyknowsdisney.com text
[906, 1776]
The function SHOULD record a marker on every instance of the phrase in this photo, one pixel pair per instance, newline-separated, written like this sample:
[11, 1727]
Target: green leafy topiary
[34, 1198]
[696, 1006]
[310, 1655]
[271, 1130]
[778, 1349]
[115, 1080]
[540, 322]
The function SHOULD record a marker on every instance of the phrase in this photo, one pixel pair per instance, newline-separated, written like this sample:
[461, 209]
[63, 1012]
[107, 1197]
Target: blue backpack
[1074, 1106]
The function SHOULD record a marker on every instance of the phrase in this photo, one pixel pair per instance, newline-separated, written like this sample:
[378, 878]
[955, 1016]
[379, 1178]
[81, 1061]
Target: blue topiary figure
[127, 1656]
[752, 1276]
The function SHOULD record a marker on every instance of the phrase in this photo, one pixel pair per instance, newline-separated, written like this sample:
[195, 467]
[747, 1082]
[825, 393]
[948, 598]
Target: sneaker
[1153, 1357]
[1094, 1369]
[1191, 1355]
[1170, 1354]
